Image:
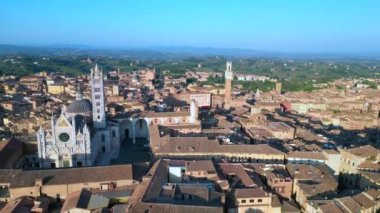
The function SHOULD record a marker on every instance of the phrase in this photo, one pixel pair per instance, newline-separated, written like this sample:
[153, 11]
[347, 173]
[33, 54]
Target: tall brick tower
[278, 87]
[228, 74]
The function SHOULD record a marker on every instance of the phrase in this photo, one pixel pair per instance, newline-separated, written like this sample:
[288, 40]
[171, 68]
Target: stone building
[81, 135]
[58, 183]
[254, 200]
[356, 162]
[310, 181]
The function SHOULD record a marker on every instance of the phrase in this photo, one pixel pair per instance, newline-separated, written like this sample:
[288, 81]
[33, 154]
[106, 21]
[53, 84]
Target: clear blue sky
[287, 25]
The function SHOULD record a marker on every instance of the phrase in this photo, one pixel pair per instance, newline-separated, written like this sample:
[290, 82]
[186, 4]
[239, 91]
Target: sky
[269, 25]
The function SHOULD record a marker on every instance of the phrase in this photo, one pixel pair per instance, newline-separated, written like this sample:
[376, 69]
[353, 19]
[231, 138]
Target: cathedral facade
[81, 136]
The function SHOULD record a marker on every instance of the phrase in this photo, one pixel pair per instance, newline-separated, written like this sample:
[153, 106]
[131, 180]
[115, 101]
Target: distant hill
[163, 52]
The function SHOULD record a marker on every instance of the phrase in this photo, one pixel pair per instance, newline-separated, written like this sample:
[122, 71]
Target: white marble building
[81, 136]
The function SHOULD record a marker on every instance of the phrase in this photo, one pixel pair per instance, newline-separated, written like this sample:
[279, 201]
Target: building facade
[81, 134]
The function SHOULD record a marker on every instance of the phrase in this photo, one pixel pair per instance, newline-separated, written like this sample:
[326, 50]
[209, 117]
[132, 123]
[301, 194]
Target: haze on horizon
[272, 25]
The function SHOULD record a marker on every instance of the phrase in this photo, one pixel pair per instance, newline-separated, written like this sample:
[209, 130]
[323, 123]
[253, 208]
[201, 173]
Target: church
[81, 136]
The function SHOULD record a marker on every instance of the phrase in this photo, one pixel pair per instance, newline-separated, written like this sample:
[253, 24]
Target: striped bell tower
[97, 92]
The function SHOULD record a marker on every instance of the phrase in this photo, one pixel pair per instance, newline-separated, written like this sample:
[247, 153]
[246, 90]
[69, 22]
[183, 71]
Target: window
[113, 133]
[97, 89]
[52, 165]
[243, 201]
[97, 104]
[97, 96]
[64, 137]
[79, 164]
[103, 138]
[260, 200]
[251, 200]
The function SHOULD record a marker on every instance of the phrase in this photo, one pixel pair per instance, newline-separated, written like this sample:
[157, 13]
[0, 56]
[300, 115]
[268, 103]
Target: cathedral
[81, 136]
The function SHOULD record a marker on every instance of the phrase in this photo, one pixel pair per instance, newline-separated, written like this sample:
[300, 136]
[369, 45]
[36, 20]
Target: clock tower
[229, 75]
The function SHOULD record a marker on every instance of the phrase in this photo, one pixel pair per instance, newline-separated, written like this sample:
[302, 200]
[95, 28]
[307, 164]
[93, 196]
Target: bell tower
[228, 74]
[97, 97]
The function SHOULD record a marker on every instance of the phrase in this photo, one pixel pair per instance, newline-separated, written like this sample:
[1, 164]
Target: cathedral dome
[82, 106]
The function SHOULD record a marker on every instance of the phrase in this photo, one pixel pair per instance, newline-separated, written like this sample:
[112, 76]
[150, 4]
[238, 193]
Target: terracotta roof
[303, 171]
[312, 179]
[73, 175]
[261, 132]
[348, 203]
[287, 207]
[78, 199]
[373, 176]
[249, 192]
[277, 172]
[203, 144]
[279, 127]
[363, 200]
[251, 148]
[364, 151]
[20, 205]
[204, 165]
[237, 170]
[146, 196]
[151, 114]
[331, 207]
[369, 165]
[373, 193]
